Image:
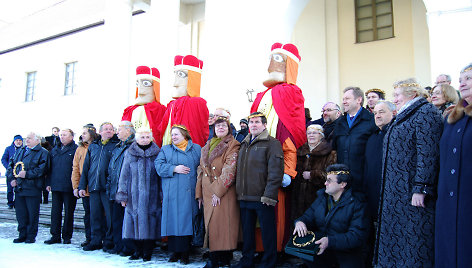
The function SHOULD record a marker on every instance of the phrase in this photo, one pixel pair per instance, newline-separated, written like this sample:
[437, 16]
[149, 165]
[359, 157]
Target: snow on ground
[60, 255]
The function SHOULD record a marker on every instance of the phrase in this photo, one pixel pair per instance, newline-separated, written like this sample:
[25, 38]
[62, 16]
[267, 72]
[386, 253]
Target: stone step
[9, 215]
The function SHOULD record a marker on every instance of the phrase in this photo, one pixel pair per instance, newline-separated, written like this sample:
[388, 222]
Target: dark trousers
[250, 211]
[86, 205]
[99, 210]
[143, 247]
[10, 193]
[61, 200]
[331, 259]
[27, 215]
[45, 197]
[117, 215]
[221, 258]
[179, 244]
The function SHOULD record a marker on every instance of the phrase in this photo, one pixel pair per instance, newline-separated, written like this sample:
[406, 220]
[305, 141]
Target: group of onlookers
[387, 184]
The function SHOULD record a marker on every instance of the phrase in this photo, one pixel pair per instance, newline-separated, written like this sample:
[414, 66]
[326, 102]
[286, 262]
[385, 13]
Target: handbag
[198, 236]
[303, 247]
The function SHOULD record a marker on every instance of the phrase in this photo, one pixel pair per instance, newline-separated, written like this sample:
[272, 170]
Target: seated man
[339, 221]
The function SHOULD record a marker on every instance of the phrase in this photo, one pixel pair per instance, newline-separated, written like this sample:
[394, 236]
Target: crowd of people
[384, 185]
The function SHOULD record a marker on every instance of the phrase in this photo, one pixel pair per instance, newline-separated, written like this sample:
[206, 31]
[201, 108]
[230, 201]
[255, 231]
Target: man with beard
[7, 155]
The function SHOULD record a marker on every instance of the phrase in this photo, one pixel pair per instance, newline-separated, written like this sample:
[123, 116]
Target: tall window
[30, 86]
[374, 20]
[69, 84]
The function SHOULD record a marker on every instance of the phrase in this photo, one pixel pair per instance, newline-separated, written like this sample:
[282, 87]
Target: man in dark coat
[383, 113]
[242, 133]
[125, 133]
[7, 155]
[33, 161]
[351, 133]
[94, 175]
[59, 182]
[329, 114]
[54, 139]
[260, 170]
[338, 220]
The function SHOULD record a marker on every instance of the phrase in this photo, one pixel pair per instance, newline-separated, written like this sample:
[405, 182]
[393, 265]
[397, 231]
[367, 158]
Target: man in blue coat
[59, 182]
[338, 220]
[7, 155]
[351, 133]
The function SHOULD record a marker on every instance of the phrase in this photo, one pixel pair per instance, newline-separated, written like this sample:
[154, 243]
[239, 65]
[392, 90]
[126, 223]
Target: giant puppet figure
[148, 111]
[283, 105]
[187, 108]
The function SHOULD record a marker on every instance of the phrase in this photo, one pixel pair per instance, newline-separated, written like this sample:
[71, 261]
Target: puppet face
[180, 84]
[277, 67]
[145, 91]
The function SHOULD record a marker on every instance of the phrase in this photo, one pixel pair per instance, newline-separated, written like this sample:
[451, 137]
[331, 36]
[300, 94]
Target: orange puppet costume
[284, 106]
[148, 111]
[187, 108]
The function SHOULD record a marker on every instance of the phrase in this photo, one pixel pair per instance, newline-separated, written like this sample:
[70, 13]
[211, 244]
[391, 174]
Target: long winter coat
[216, 175]
[59, 176]
[410, 163]
[140, 187]
[454, 205]
[179, 206]
[349, 144]
[316, 161]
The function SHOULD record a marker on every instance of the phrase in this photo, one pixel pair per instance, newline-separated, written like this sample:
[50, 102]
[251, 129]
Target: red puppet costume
[187, 108]
[284, 106]
[148, 111]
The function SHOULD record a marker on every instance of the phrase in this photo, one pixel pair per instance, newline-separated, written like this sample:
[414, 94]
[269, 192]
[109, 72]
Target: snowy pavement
[67, 256]
[60, 255]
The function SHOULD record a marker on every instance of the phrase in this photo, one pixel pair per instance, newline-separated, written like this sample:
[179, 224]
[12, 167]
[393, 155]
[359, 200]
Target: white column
[164, 40]
[116, 51]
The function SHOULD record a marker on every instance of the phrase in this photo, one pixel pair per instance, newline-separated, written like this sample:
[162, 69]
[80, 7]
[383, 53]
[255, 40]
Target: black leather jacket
[95, 170]
[36, 163]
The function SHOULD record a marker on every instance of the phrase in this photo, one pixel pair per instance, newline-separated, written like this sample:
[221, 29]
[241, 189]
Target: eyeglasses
[330, 181]
[329, 110]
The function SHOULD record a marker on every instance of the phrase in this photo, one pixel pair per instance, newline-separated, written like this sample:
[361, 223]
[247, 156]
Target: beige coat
[216, 175]
[78, 165]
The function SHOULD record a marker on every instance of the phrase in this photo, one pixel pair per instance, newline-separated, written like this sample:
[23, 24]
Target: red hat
[288, 49]
[146, 72]
[188, 62]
